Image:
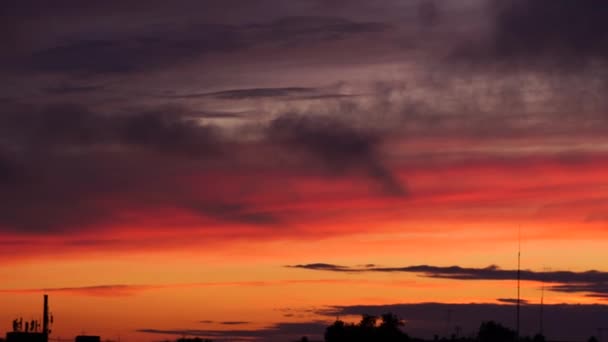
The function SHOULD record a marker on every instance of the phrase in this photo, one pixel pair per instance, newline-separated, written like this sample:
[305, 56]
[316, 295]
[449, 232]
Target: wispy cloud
[275, 332]
[120, 290]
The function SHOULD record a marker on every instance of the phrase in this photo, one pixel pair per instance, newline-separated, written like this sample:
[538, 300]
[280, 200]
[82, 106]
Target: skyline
[261, 167]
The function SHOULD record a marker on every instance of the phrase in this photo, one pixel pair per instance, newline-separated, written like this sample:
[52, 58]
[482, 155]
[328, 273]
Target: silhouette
[87, 338]
[389, 330]
[494, 332]
[195, 339]
[30, 332]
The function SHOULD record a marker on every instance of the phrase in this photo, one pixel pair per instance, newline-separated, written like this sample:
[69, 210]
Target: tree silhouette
[539, 338]
[195, 339]
[494, 332]
[367, 330]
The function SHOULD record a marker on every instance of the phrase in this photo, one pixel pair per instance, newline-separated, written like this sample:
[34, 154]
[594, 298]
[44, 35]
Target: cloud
[545, 34]
[65, 167]
[341, 147]
[68, 88]
[109, 56]
[593, 283]
[68, 167]
[234, 322]
[157, 49]
[321, 267]
[70, 126]
[513, 301]
[283, 331]
[94, 291]
[121, 290]
[240, 94]
[561, 321]
[284, 93]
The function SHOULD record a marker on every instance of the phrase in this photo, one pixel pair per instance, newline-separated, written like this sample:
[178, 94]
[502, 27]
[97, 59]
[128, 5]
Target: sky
[253, 170]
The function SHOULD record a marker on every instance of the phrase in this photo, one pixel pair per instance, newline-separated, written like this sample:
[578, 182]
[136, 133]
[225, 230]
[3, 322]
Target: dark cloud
[222, 115]
[321, 266]
[109, 56]
[9, 170]
[234, 322]
[545, 34]
[67, 88]
[491, 272]
[276, 332]
[310, 29]
[156, 49]
[240, 94]
[566, 322]
[513, 301]
[66, 167]
[74, 126]
[279, 94]
[428, 12]
[594, 283]
[341, 147]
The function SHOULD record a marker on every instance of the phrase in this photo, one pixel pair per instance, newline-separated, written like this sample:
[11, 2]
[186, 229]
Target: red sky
[245, 171]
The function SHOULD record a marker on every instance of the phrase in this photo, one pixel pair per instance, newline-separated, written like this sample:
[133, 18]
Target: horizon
[252, 170]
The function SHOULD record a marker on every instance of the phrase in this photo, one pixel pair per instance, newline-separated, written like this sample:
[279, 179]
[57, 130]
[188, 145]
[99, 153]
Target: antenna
[542, 302]
[518, 277]
[45, 318]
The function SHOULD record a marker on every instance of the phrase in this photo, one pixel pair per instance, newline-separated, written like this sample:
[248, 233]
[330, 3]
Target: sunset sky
[253, 169]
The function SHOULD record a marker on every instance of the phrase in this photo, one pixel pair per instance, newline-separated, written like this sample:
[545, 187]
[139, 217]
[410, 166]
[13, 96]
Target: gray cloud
[67, 88]
[593, 283]
[58, 162]
[67, 126]
[152, 49]
[240, 94]
[338, 145]
[538, 35]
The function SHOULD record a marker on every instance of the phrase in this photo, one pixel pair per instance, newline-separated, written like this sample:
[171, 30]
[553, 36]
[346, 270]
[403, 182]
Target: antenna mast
[518, 278]
[45, 318]
[542, 302]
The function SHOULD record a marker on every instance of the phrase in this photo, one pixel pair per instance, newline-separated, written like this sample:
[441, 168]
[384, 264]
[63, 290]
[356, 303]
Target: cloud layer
[593, 283]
